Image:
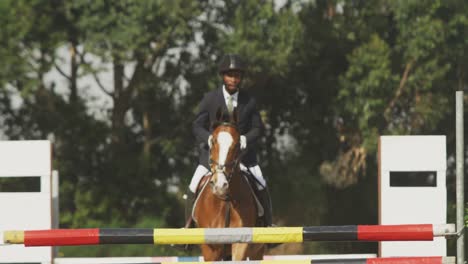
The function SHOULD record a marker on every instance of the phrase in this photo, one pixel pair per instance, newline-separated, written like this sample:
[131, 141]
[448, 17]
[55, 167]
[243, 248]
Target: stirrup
[186, 247]
[273, 245]
[183, 247]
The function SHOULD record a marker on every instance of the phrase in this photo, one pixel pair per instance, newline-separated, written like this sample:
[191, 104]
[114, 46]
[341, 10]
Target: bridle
[228, 168]
[232, 166]
[223, 168]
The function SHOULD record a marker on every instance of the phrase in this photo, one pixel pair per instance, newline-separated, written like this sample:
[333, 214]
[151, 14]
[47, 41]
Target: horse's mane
[208, 204]
[223, 123]
[225, 119]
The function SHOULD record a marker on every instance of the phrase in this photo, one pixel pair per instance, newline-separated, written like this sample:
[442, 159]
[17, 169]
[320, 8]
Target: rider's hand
[243, 142]
[210, 139]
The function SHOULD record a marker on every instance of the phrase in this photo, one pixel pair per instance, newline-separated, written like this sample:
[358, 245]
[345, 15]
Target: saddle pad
[260, 210]
[200, 190]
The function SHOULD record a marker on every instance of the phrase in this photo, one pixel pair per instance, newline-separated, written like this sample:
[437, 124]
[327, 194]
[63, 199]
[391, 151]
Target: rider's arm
[201, 123]
[256, 125]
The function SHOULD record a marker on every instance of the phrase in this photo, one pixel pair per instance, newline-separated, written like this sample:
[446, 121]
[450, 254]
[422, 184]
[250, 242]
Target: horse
[227, 200]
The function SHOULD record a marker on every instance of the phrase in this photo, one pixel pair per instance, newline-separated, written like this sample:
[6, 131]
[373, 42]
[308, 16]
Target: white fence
[26, 210]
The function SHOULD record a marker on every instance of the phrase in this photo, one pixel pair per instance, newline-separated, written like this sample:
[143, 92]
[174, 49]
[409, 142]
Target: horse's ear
[234, 116]
[219, 114]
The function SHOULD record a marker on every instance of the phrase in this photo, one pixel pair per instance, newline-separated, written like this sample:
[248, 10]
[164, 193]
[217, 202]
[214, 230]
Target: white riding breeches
[202, 171]
[197, 176]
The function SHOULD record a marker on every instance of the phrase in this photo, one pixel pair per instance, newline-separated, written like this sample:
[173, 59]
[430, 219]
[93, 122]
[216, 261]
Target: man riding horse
[229, 97]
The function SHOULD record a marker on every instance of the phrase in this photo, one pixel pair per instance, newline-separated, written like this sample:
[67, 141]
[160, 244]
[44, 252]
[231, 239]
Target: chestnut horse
[227, 200]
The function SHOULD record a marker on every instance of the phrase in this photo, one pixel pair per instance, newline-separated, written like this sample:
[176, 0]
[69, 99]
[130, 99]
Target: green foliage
[122, 250]
[122, 29]
[262, 35]
[366, 86]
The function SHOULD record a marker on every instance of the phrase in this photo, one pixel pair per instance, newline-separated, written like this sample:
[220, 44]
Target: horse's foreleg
[239, 251]
[211, 252]
[256, 251]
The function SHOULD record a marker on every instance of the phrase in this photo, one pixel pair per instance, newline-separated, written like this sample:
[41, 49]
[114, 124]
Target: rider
[250, 126]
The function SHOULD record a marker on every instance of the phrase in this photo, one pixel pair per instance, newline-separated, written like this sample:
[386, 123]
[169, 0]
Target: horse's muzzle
[221, 191]
[220, 186]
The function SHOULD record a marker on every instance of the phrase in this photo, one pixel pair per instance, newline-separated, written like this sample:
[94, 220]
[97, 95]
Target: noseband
[222, 168]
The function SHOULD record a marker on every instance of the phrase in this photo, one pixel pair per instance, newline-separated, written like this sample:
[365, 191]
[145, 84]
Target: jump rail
[393, 260]
[68, 237]
[172, 259]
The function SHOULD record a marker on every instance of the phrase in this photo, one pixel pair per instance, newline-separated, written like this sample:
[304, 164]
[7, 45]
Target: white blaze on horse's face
[225, 141]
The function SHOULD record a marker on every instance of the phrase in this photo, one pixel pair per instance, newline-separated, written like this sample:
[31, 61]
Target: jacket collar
[241, 99]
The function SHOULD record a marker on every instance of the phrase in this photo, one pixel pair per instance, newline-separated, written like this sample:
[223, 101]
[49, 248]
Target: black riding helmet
[231, 62]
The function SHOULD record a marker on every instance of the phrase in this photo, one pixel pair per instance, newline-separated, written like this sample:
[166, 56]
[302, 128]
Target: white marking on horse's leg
[239, 251]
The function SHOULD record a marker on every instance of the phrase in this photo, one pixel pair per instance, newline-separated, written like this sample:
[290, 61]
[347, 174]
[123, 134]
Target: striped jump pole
[67, 237]
[393, 260]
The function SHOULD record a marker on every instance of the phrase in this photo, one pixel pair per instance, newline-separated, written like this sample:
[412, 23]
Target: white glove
[210, 139]
[243, 142]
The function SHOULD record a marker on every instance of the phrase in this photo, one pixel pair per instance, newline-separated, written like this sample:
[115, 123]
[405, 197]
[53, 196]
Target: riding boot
[265, 200]
[264, 197]
[191, 197]
[190, 200]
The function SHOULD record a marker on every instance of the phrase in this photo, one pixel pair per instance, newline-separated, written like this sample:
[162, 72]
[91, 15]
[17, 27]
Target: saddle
[252, 182]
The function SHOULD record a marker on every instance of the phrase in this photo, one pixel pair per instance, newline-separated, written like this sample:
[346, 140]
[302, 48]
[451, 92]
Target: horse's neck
[211, 212]
[238, 185]
[236, 180]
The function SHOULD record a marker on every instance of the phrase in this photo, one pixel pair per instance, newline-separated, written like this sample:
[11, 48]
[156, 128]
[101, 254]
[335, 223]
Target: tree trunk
[73, 75]
[120, 104]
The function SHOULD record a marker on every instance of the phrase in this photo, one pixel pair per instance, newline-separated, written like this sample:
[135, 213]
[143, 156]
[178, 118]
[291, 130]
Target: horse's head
[224, 153]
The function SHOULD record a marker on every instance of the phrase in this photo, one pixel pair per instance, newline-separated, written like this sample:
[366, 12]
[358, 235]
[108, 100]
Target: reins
[222, 168]
[232, 164]
[218, 168]
[227, 220]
